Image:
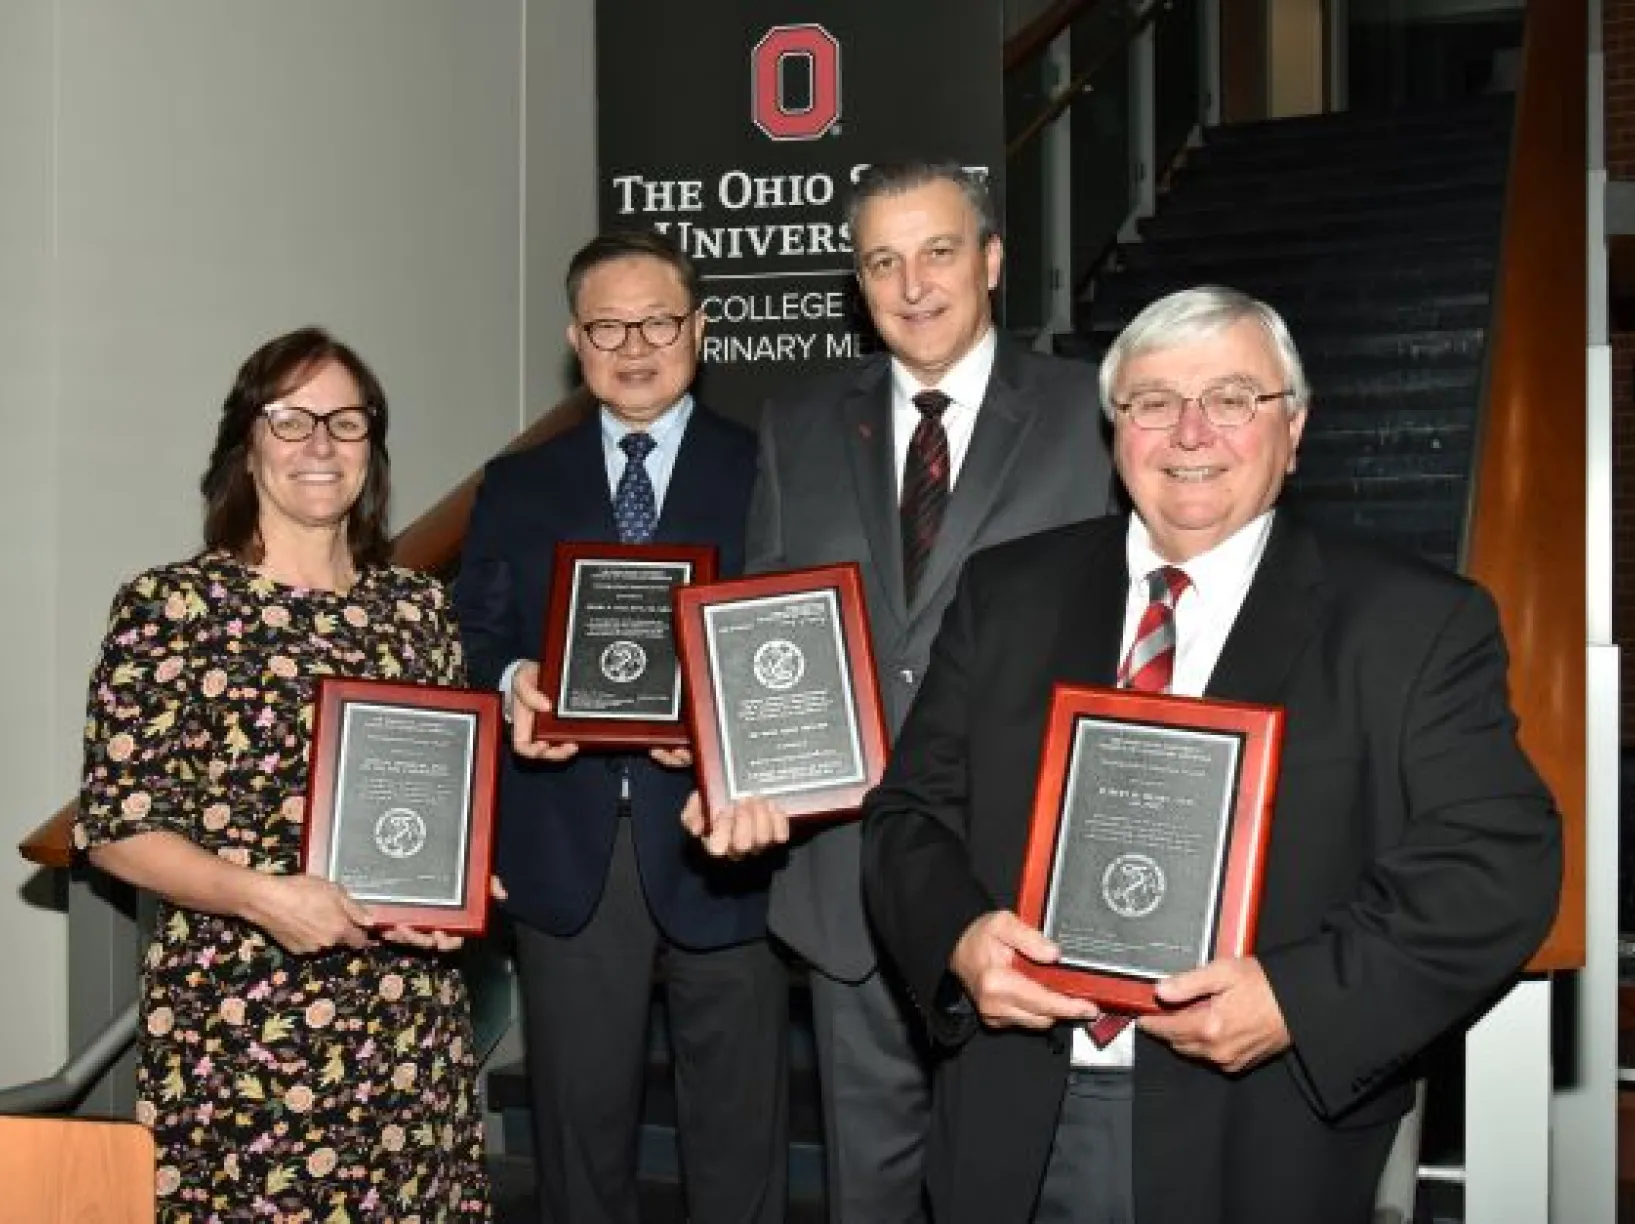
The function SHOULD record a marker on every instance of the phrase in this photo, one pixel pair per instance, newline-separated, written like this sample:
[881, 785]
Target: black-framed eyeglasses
[291, 424]
[611, 335]
[1225, 406]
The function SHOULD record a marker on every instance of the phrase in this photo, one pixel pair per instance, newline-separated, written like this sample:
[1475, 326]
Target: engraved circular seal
[1133, 885]
[779, 664]
[623, 661]
[400, 833]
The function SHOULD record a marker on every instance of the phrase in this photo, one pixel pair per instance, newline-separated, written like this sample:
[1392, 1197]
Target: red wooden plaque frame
[703, 711]
[608, 731]
[471, 918]
[1260, 729]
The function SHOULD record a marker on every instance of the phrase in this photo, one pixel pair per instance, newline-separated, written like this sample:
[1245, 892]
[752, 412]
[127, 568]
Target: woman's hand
[305, 913]
[430, 941]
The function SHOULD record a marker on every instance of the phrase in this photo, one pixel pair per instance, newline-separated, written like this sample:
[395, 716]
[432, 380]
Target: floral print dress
[339, 1086]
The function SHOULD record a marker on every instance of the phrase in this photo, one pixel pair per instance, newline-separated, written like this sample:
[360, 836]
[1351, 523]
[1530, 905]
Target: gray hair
[896, 178]
[1197, 314]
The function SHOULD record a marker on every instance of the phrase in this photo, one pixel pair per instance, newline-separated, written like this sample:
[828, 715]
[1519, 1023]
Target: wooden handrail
[1526, 543]
[1081, 80]
[431, 543]
[1030, 41]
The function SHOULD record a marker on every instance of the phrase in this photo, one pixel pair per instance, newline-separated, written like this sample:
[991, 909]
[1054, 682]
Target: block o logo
[783, 52]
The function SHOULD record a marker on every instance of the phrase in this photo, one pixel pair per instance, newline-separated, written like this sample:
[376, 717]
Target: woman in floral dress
[297, 1063]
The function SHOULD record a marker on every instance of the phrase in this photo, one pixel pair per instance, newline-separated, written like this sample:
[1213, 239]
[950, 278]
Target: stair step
[1317, 315]
[1384, 211]
[1452, 270]
[658, 1157]
[1209, 189]
[1325, 148]
[1333, 242]
[1485, 114]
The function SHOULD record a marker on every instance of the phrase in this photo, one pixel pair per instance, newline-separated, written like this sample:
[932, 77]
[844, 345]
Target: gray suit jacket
[826, 492]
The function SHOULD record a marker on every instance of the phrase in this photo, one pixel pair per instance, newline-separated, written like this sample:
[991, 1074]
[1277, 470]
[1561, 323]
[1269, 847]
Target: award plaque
[1148, 837]
[400, 800]
[781, 693]
[609, 662]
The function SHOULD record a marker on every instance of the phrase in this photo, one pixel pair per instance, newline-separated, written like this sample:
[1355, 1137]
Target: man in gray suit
[953, 440]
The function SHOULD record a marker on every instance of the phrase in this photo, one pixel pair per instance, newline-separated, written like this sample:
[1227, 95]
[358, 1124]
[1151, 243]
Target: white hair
[1197, 314]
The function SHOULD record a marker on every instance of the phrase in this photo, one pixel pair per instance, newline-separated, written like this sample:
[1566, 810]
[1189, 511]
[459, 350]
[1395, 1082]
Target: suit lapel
[1001, 424]
[1091, 622]
[1282, 610]
[866, 437]
[585, 478]
[690, 479]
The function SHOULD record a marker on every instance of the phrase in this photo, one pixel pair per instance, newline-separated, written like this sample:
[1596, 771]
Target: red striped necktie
[926, 482]
[1148, 668]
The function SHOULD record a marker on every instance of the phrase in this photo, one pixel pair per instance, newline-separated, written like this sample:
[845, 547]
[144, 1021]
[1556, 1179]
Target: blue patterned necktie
[635, 509]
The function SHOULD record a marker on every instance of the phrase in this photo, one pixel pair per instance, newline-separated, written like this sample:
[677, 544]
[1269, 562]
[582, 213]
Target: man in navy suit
[603, 885]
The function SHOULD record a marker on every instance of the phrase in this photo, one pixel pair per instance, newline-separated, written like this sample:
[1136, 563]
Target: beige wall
[33, 936]
[183, 180]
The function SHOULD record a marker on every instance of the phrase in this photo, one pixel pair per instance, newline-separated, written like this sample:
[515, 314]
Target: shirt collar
[966, 381]
[1223, 568]
[663, 429]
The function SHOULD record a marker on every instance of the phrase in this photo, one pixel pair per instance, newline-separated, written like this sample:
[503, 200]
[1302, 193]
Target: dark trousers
[876, 1102]
[585, 1005]
[1088, 1178]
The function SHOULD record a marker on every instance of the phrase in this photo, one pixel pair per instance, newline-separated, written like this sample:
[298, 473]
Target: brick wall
[1618, 42]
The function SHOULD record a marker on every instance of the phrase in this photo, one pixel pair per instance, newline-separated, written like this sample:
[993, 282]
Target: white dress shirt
[1204, 616]
[965, 384]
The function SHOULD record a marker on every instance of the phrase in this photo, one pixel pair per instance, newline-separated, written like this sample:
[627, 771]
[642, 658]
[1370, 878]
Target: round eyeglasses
[611, 335]
[1226, 406]
[291, 424]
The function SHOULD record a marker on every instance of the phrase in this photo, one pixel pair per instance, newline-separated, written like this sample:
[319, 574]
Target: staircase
[658, 1161]
[1376, 237]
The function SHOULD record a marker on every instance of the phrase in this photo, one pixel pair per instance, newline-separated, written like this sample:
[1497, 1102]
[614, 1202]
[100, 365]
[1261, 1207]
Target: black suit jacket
[1413, 866]
[557, 822]
[827, 492]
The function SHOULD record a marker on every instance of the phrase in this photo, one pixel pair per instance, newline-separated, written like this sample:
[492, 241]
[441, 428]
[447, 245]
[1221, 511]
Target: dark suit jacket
[1413, 866]
[557, 822]
[827, 492]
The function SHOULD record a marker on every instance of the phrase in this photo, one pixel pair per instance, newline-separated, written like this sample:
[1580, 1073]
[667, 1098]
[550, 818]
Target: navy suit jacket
[557, 821]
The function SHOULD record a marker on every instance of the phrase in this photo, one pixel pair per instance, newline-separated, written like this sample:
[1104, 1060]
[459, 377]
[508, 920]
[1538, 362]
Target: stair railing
[1524, 537]
[431, 543]
[1092, 88]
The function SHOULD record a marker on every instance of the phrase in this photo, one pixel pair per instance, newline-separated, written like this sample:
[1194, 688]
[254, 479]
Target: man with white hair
[1414, 857]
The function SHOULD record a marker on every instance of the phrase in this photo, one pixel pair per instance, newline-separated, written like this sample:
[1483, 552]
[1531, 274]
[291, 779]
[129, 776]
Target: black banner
[738, 126]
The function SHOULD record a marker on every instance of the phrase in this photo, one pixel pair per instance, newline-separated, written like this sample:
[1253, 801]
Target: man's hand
[984, 961]
[1226, 1014]
[672, 758]
[738, 830]
[526, 703]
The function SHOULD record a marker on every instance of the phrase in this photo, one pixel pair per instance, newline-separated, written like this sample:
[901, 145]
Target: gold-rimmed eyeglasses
[1225, 406]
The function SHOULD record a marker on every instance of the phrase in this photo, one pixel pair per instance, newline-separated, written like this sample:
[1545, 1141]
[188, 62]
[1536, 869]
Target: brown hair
[232, 508]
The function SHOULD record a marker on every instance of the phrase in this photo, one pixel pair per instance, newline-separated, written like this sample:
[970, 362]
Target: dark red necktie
[1148, 668]
[926, 481]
